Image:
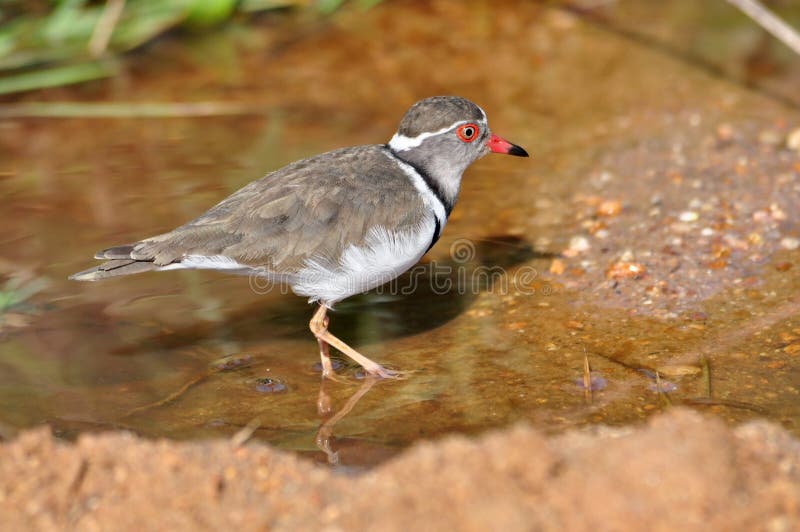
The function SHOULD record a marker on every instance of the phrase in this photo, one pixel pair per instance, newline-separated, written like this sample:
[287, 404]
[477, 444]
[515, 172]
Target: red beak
[498, 145]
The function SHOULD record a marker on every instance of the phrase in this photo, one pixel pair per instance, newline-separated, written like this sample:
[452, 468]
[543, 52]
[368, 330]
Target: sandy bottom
[681, 471]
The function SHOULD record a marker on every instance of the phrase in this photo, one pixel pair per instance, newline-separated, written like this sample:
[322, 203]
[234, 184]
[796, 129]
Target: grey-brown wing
[313, 208]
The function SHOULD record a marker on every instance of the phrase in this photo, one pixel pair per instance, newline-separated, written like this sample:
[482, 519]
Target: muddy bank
[681, 471]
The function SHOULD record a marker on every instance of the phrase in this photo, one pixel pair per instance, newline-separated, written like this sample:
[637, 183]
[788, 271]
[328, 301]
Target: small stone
[625, 270]
[724, 132]
[761, 216]
[268, 385]
[792, 349]
[688, 216]
[577, 244]
[718, 264]
[557, 267]
[789, 242]
[783, 266]
[776, 212]
[793, 140]
[609, 208]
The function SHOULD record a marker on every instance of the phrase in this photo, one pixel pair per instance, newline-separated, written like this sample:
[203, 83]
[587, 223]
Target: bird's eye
[467, 132]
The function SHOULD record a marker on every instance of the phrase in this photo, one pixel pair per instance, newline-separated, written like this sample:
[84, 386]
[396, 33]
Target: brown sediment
[679, 472]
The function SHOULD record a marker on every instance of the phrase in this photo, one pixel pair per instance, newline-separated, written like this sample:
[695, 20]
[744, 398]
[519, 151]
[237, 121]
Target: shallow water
[196, 354]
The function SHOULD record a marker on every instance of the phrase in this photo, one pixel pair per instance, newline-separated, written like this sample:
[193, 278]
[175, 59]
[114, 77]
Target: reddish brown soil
[682, 471]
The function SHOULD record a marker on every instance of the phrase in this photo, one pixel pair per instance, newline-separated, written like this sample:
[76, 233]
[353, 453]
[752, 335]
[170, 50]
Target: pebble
[789, 242]
[625, 270]
[724, 132]
[776, 212]
[577, 244]
[557, 267]
[688, 216]
[268, 385]
[761, 216]
[792, 349]
[609, 208]
[793, 140]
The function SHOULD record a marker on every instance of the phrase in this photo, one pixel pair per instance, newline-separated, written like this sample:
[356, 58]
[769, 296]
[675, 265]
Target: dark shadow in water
[597, 19]
[429, 296]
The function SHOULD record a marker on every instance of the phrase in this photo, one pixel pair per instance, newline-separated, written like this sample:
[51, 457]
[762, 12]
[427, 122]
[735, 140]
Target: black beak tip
[516, 150]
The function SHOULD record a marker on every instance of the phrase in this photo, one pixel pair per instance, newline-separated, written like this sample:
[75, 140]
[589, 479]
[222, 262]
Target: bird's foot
[335, 377]
[380, 372]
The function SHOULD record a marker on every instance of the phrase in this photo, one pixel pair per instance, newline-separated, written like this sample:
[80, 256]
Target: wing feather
[313, 208]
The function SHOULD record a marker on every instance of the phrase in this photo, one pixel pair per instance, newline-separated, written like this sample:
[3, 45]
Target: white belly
[383, 257]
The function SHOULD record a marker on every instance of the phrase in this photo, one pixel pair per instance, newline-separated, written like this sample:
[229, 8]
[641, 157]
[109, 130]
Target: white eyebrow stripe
[402, 143]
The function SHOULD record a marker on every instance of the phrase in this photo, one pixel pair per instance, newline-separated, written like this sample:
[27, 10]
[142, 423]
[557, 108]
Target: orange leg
[319, 327]
[324, 353]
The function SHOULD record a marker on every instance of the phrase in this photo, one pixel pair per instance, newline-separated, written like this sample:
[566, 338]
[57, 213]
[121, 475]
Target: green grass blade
[55, 77]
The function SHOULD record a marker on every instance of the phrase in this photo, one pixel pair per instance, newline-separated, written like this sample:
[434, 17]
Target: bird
[332, 225]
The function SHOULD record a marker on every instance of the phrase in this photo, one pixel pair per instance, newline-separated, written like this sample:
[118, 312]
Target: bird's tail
[121, 263]
[113, 268]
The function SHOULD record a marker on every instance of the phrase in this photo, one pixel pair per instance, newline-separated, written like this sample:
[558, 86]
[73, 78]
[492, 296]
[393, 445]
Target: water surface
[617, 91]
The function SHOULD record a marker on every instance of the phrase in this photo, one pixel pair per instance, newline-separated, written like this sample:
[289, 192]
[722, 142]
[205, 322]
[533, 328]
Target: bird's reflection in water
[330, 417]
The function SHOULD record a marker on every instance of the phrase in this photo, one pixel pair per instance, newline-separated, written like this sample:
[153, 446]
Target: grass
[16, 291]
[61, 42]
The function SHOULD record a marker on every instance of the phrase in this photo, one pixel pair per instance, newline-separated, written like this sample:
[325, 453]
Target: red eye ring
[467, 132]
